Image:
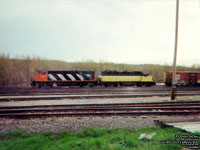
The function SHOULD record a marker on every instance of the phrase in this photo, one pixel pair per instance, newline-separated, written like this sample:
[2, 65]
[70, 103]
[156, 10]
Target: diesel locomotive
[114, 78]
[88, 78]
[64, 78]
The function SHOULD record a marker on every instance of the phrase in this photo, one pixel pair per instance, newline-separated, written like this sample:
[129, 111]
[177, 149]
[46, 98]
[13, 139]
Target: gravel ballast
[74, 124]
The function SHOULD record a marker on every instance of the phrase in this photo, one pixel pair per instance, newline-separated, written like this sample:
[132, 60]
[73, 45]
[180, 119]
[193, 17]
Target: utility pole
[173, 94]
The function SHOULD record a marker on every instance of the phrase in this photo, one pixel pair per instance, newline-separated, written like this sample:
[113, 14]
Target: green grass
[94, 139]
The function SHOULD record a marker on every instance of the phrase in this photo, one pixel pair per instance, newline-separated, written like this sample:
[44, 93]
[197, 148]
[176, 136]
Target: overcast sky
[119, 31]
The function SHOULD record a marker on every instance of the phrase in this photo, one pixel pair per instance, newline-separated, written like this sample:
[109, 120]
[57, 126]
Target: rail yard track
[4, 91]
[59, 93]
[115, 109]
[60, 97]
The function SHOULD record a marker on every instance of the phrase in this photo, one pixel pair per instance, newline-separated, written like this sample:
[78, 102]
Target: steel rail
[93, 92]
[153, 104]
[96, 109]
[38, 115]
[60, 97]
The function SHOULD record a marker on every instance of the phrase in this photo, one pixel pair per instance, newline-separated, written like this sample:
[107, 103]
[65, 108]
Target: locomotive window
[40, 72]
[145, 74]
[137, 73]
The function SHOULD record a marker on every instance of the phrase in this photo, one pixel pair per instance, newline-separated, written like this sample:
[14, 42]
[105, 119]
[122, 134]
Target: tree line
[19, 71]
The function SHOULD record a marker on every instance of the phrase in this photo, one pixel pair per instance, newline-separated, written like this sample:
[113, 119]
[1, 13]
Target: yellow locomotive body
[120, 78]
[126, 78]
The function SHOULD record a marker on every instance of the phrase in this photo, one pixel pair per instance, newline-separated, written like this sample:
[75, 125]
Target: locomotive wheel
[91, 84]
[148, 84]
[54, 85]
[115, 84]
[39, 85]
[106, 84]
[33, 84]
[139, 84]
[121, 84]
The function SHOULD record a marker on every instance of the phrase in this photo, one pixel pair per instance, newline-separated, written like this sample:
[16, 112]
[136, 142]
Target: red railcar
[183, 78]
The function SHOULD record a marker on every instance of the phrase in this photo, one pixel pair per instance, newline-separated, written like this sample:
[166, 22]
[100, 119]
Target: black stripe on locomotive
[74, 75]
[124, 73]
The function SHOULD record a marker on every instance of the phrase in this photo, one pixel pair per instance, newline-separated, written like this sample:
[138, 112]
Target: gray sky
[120, 31]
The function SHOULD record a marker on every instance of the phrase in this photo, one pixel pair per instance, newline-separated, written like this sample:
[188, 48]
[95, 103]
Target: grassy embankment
[115, 139]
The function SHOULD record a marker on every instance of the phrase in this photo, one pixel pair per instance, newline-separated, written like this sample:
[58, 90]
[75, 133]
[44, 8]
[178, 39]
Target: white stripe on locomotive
[80, 77]
[88, 75]
[61, 77]
[71, 77]
[52, 77]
